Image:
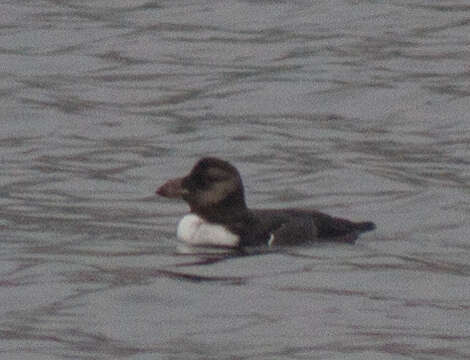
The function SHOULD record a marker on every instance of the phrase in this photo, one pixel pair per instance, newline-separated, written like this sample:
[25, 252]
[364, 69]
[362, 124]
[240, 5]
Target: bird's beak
[172, 189]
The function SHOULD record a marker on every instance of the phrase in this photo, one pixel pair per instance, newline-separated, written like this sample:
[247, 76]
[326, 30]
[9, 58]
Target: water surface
[357, 108]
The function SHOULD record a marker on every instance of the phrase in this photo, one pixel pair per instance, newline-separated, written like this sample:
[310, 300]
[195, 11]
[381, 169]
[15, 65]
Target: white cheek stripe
[195, 231]
[271, 240]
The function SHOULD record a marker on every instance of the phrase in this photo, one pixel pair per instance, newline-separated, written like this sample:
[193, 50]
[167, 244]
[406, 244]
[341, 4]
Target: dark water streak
[356, 108]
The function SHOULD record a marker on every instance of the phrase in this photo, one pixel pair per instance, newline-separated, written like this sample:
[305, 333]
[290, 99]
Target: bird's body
[219, 215]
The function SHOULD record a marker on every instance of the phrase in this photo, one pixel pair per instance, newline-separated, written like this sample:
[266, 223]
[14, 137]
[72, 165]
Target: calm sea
[358, 108]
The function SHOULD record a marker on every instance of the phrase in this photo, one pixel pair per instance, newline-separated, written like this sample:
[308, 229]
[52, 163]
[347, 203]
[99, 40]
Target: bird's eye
[200, 182]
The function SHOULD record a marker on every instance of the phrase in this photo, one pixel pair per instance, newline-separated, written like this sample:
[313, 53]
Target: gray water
[357, 108]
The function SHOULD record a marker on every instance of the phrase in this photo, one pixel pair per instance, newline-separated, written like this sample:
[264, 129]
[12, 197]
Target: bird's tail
[365, 226]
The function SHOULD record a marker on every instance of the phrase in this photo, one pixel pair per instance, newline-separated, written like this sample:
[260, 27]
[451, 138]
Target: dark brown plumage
[214, 191]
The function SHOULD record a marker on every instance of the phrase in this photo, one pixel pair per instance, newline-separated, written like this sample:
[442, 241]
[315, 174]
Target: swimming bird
[219, 216]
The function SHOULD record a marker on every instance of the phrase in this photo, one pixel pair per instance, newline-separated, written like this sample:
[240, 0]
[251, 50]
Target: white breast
[196, 231]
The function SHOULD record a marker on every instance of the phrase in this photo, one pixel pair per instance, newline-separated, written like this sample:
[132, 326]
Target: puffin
[219, 216]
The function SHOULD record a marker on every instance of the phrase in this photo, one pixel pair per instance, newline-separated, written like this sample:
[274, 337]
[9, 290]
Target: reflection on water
[359, 109]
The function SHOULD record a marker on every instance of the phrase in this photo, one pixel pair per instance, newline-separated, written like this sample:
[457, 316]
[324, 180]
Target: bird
[219, 216]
